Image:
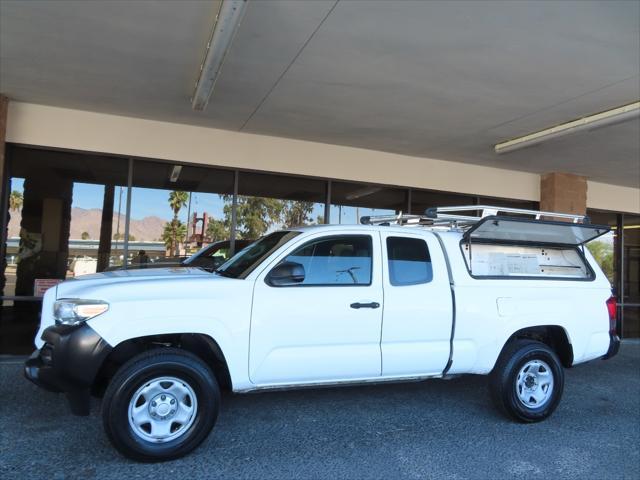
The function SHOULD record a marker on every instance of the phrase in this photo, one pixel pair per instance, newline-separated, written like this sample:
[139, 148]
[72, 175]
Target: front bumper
[68, 362]
[614, 346]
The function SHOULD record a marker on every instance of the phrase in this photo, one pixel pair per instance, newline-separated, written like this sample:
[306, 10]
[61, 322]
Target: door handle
[365, 305]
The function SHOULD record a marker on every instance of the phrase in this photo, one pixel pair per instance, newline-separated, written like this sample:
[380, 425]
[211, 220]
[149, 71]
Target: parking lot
[435, 429]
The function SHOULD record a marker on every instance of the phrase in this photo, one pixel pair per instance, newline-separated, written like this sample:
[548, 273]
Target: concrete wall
[39, 125]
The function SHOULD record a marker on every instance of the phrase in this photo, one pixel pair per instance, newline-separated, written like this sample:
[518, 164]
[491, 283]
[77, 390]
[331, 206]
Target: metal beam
[127, 219]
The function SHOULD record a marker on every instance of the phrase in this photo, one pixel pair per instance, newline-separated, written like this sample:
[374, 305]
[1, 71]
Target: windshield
[198, 254]
[245, 261]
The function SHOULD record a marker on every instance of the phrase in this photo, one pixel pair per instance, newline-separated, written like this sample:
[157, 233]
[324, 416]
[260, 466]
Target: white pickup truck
[408, 298]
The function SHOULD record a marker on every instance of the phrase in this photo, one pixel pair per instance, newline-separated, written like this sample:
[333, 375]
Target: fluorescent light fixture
[175, 173]
[224, 29]
[363, 192]
[602, 119]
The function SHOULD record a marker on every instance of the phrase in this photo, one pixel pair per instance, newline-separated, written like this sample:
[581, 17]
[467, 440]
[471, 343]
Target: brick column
[563, 193]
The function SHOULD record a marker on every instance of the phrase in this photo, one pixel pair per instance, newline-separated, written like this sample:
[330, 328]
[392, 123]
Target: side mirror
[286, 273]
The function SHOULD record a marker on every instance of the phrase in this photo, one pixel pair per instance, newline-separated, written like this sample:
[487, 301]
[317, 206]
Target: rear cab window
[409, 261]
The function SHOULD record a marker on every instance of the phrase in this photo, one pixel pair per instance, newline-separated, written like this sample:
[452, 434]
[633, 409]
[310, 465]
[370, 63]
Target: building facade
[52, 154]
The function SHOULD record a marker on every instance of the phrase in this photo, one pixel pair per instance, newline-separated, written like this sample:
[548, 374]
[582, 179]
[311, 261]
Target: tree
[120, 236]
[296, 213]
[173, 230]
[85, 236]
[218, 230]
[177, 200]
[15, 200]
[255, 215]
[603, 253]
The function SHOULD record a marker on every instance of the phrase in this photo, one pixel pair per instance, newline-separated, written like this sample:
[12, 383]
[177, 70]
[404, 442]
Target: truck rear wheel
[527, 382]
[160, 405]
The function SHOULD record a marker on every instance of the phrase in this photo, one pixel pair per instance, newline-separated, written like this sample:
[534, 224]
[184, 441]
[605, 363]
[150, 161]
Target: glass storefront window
[57, 226]
[16, 198]
[423, 199]
[175, 211]
[351, 201]
[268, 202]
[603, 249]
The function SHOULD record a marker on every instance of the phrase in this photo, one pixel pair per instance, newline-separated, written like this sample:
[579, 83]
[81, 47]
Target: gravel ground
[435, 429]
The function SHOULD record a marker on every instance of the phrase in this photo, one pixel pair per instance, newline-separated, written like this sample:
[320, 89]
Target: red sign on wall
[41, 285]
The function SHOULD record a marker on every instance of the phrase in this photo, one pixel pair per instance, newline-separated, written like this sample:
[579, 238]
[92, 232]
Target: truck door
[418, 306]
[326, 327]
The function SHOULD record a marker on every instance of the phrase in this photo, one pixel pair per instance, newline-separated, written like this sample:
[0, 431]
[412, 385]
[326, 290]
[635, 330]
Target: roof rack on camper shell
[451, 216]
[502, 224]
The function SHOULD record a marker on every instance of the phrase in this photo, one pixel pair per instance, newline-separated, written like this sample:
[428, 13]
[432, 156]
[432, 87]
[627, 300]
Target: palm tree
[15, 201]
[177, 200]
[172, 231]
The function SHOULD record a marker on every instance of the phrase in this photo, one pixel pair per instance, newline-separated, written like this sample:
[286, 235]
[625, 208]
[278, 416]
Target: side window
[494, 260]
[409, 261]
[343, 260]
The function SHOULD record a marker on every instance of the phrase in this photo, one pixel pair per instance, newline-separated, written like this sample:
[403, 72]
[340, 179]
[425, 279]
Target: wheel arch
[554, 336]
[201, 345]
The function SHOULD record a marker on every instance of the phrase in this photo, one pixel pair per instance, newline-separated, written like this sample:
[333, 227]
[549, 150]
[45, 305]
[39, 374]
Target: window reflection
[344, 260]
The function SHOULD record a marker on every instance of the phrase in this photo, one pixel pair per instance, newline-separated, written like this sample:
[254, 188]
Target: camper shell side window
[500, 260]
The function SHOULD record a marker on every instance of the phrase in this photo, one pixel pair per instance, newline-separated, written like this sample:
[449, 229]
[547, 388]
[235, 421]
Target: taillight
[612, 308]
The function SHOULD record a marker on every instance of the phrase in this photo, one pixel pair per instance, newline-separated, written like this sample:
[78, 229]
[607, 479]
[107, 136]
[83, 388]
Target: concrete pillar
[106, 227]
[563, 193]
[44, 229]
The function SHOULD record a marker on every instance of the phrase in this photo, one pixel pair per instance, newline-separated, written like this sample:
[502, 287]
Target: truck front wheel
[160, 405]
[527, 382]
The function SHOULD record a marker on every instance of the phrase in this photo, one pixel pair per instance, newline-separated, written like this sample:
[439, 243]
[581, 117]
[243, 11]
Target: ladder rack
[454, 217]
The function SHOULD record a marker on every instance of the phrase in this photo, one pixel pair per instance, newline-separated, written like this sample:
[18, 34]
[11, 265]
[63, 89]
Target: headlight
[71, 311]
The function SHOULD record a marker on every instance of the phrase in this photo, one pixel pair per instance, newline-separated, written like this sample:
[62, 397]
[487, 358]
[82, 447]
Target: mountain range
[89, 220]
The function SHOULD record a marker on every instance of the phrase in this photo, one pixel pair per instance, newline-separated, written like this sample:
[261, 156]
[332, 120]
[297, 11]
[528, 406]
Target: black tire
[142, 369]
[505, 388]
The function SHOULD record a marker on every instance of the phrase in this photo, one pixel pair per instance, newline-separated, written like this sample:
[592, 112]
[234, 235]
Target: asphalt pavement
[434, 429]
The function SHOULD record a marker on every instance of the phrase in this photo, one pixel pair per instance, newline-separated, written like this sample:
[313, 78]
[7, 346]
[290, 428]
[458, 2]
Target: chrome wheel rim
[162, 409]
[534, 384]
